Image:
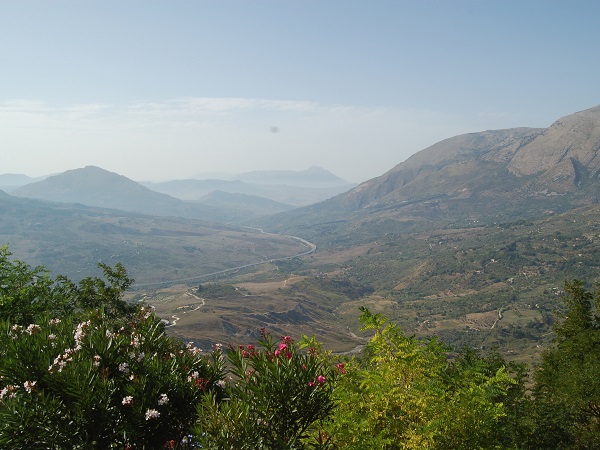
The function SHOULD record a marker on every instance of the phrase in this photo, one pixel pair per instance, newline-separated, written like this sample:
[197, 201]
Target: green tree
[566, 412]
[405, 394]
[27, 292]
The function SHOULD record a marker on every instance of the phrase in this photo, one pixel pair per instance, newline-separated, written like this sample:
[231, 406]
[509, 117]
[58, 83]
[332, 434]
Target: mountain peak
[314, 176]
[487, 176]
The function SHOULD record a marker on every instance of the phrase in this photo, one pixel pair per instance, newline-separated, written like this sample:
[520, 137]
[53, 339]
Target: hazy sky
[158, 90]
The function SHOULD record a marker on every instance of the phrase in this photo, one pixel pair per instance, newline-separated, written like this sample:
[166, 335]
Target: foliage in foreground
[280, 397]
[81, 369]
[96, 373]
[403, 394]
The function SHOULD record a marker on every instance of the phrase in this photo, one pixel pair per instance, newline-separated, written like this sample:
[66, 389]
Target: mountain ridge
[489, 176]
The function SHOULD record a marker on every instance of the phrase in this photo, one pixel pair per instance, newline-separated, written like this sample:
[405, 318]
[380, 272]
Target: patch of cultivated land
[238, 318]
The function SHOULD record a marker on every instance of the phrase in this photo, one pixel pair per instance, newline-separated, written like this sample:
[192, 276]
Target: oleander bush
[279, 398]
[99, 384]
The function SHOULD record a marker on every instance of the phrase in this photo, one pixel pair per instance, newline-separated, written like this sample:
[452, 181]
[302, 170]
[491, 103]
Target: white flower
[28, 385]
[128, 401]
[163, 399]
[51, 337]
[54, 321]
[221, 383]
[193, 376]
[80, 333]
[124, 367]
[8, 391]
[33, 329]
[148, 310]
[152, 414]
[135, 341]
[97, 360]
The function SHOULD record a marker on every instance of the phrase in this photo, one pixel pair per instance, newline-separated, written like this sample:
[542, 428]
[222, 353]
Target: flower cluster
[33, 329]
[152, 414]
[80, 333]
[163, 399]
[192, 349]
[8, 391]
[147, 311]
[29, 385]
[61, 361]
[320, 380]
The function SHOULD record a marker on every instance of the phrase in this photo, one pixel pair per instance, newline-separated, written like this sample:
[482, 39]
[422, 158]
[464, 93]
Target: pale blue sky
[167, 89]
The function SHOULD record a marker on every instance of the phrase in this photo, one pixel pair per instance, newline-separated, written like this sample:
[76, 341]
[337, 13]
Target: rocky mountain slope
[478, 177]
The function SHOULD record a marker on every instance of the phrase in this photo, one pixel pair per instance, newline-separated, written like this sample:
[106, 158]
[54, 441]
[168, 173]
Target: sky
[174, 89]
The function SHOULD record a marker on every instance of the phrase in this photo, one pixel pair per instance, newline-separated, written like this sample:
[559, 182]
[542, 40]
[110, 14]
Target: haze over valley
[468, 239]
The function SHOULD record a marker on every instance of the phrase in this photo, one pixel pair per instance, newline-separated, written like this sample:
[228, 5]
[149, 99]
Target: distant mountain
[191, 189]
[93, 186]
[11, 181]
[485, 177]
[314, 177]
[291, 195]
[240, 208]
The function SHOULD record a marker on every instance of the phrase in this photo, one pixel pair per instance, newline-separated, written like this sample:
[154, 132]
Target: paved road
[311, 248]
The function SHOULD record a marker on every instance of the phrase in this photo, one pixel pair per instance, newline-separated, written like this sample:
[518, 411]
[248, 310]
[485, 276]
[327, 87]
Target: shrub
[100, 383]
[278, 398]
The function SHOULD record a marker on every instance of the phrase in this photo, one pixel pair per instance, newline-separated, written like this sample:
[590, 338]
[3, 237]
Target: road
[311, 248]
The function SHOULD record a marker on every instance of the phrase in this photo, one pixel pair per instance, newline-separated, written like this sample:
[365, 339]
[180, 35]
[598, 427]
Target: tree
[566, 409]
[27, 292]
[404, 393]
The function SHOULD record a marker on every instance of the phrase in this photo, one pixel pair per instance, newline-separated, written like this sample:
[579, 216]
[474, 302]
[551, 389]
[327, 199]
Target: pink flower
[276, 353]
[282, 346]
[288, 355]
[340, 367]
[311, 383]
[202, 384]
[250, 347]
[321, 379]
